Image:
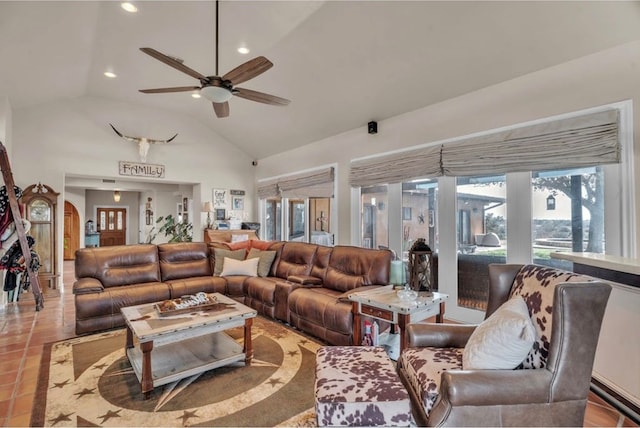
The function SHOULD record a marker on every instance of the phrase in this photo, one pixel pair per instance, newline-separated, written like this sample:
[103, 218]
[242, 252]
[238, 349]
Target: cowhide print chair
[548, 388]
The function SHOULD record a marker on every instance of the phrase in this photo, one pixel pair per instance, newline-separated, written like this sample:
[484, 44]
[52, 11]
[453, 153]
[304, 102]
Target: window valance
[396, 167]
[581, 141]
[268, 189]
[318, 183]
[568, 143]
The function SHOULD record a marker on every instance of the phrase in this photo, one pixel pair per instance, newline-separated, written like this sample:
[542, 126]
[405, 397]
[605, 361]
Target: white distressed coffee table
[170, 348]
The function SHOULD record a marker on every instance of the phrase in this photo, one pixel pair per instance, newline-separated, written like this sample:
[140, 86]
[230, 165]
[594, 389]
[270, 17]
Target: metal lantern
[420, 266]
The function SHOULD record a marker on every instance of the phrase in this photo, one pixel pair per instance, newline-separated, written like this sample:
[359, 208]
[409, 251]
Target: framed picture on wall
[237, 203]
[221, 213]
[220, 198]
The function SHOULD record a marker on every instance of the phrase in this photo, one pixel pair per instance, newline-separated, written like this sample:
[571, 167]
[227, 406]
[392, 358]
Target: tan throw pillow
[266, 260]
[247, 267]
[501, 341]
[220, 255]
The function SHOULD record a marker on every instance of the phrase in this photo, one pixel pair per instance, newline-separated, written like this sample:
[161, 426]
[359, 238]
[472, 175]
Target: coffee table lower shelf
[174, 361]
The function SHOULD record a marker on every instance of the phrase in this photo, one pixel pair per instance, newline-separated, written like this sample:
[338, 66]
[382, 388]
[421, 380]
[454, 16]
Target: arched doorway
[71, 231]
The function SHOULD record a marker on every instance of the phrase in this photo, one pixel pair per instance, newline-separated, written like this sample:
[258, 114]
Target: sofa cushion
[424, 367]
[87, 286]
[351, 267]
[219, 256]
[112, 299]
[261, 245]
[295, 258]
[239, 245]
[246, 244]
[233, 267]
[183, 260]
[304, 279]
[266, 259]
[537, 284]
[119, 265]
[503, 340]
[320, 307]
[262, 290]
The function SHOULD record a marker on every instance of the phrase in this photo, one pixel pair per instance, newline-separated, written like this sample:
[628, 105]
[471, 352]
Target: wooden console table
[215, 235]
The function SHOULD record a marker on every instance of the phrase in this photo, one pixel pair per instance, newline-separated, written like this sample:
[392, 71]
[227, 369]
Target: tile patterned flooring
[23, 332]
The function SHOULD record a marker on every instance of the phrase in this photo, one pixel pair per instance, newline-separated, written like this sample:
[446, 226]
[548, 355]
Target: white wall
[607, 77]
[73, 138]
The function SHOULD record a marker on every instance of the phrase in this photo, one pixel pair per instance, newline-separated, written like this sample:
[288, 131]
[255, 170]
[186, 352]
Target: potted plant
[177, 231]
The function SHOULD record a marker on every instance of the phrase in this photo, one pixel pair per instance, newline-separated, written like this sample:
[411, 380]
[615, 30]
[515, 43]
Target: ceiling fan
[220, 89]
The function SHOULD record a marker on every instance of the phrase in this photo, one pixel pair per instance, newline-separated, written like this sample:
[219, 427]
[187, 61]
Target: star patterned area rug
[88, 381]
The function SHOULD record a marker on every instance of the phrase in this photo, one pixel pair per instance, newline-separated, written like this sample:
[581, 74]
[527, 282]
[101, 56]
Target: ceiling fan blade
[165, 90]
[248, 70]
[260, 97]
[173, 63]
[221, 109]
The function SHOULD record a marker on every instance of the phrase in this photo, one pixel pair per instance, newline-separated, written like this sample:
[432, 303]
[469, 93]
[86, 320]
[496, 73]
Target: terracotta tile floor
[23, 332]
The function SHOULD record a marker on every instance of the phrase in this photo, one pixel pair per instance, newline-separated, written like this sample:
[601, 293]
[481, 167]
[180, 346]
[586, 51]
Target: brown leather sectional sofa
[306, 286]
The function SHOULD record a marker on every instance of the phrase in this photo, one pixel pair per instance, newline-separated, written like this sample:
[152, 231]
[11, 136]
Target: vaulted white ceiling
[340, 63]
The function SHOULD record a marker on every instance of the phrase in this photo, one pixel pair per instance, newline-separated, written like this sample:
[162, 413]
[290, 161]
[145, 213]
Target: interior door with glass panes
[112, 225]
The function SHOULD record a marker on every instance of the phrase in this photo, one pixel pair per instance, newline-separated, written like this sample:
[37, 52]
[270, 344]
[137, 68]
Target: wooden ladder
[7, 175]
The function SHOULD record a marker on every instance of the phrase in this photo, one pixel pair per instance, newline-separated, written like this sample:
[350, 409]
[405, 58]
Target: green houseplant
[177, 231]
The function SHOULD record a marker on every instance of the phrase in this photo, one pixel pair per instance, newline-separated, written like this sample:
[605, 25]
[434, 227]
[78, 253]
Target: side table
[383, 304]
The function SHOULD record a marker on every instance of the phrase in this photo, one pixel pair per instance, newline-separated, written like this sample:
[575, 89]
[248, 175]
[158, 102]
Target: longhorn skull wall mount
[143, 143]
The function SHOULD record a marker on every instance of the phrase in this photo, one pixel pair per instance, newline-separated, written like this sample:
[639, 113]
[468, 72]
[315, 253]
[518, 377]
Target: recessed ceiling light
[129, 7]
[243, 50]
[110, 74]
[196, 95]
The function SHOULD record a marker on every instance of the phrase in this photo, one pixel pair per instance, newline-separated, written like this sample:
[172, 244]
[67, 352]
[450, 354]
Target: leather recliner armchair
[554, 395]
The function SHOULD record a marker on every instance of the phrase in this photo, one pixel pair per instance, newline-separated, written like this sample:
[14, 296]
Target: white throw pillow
[247, 267]
[503, 340]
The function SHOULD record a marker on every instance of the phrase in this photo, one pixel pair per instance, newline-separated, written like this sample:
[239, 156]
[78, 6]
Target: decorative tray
[190, 303]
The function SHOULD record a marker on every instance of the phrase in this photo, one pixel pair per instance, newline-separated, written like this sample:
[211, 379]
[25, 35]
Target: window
[419, 213]
[481, 235]
[297, 214]
[307, 198]
[375, 217]
[568, 213]
[273, 220]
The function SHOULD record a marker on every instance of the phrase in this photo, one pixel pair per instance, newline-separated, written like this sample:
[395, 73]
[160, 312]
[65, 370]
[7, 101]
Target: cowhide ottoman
[359, 386]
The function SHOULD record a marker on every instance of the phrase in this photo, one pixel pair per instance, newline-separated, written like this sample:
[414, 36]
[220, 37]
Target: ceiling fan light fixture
[129, 7]
[196, 95]
[243, 50]
[216, 94]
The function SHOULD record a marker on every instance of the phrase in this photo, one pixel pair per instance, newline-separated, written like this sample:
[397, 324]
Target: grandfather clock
[40, 203]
